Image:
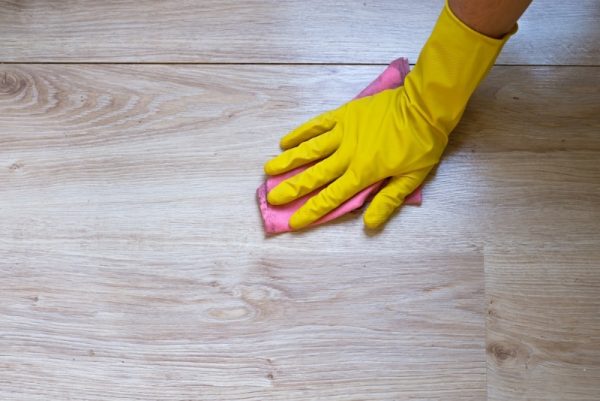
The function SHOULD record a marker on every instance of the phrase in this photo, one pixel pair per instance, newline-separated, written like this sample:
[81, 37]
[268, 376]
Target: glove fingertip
[374, 220]
[268, 168]
[276, 197]
[378, 213]
[273, 169]
[285, 143]
[277, 165]
[298, 221]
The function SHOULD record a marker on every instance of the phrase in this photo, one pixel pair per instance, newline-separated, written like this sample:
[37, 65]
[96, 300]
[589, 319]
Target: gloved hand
[399, 133]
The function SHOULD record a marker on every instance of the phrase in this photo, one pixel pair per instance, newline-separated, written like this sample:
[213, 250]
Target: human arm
[398, 134]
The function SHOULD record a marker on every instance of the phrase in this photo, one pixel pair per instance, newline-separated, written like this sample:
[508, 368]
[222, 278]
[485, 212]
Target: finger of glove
[325, 201]
[308, 151]
[310, 129]
[390, 197]
[307, 181]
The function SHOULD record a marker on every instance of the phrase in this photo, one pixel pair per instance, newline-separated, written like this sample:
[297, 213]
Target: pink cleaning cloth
[276, 218]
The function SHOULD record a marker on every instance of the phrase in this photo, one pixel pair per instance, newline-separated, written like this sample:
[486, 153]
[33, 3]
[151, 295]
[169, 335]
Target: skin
[494, 18]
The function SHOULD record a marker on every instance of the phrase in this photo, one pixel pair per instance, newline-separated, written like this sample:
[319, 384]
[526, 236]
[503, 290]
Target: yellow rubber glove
[399, 133]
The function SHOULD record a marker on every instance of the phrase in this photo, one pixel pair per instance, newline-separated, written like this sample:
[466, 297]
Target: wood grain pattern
[272, 31]
[133, 265]
[543, 321]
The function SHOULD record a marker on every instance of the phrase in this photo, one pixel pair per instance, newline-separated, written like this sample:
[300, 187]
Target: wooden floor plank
[295, 31]
[133, 263]
[543, 321]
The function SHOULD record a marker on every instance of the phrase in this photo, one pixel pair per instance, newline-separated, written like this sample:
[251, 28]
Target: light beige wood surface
[133, 264]
[362, 31]
[543, 320]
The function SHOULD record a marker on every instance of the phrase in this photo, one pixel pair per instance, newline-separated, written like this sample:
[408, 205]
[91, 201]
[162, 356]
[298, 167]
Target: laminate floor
[133, 265]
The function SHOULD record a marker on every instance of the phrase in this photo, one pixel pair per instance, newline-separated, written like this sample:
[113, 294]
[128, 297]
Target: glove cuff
[453, 62]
